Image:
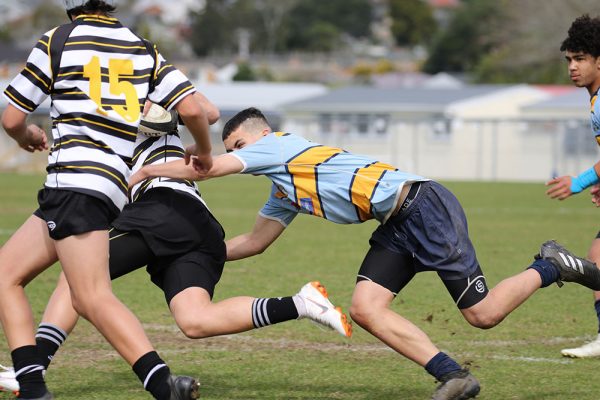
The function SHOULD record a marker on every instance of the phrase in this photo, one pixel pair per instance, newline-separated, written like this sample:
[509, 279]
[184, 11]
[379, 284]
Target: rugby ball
[158, 121]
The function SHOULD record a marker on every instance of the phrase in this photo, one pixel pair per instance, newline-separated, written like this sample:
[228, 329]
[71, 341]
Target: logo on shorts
[51, 225]
[479, 286]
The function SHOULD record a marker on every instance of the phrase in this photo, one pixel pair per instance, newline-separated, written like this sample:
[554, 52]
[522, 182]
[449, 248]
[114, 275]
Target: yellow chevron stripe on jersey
[593, 102]
[303, 169]
[162, 153]
[365, 181]
[37, 77]
[105, 75]
[19, 102]
[177, 95]
[120, 181]
[97, 18]
[59, 144]
[97, 123]
[101, 44]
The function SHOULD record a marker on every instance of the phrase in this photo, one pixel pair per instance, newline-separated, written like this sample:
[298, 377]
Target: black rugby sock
[28, 369]
[48, 339]
[273, 310]
[154, 374]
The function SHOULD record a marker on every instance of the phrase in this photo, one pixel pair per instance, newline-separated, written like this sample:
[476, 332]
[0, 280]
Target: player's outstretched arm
[565, 186]
[223, 165]
[264, 232]
[29, 137]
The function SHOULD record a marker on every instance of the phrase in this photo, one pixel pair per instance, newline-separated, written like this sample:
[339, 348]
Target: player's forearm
[198, 127]
[15, 126]
[212, 112]
[174, 170]
[242, 246]
[195, 119]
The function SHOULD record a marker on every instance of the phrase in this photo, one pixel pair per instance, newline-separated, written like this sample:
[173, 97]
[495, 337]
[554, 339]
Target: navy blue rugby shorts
[433, 231]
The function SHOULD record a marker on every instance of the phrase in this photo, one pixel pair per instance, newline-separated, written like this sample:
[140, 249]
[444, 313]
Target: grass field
[519, 359]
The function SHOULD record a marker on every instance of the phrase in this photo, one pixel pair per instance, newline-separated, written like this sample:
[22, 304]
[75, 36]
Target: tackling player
[422, 228]
[582, 52]
[170, 229]
[98, 74]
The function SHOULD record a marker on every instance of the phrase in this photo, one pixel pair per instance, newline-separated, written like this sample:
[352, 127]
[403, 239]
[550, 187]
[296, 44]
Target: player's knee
[484, 320]
[80, 307]
[361, 314]
[192, 328]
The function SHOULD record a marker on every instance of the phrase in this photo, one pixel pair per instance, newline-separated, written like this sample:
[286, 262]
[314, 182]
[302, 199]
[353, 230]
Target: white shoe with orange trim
[320, 310]
[8, 380]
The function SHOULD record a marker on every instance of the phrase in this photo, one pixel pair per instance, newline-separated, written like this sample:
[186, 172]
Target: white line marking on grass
[532, 359]
[251, 342]
[7, 232]
[524, 342]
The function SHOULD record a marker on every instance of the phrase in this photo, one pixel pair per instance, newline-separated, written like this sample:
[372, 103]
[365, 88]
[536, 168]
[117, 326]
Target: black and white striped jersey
[106, 73]
[159, 150]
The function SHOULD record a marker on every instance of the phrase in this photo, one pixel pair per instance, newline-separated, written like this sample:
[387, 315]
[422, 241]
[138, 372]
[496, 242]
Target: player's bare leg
[27, 253]
[59, 310]
[370, 309]
[84, 259]
[198, 317]
[503, 299]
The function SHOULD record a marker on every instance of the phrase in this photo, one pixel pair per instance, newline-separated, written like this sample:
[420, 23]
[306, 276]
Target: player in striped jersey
[169, 228]
[422, 228]
[98, 74]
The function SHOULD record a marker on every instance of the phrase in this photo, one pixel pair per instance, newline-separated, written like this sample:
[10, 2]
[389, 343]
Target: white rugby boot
[591, 349]
[8, 380]
[320, 310]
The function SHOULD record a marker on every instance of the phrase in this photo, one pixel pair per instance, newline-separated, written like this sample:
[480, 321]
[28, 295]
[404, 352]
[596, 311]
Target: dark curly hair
[92, 6]
[243, 116]
[584, 36]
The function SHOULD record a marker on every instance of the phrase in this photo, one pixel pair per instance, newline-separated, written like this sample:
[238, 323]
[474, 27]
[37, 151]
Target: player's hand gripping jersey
[160, 150]
[324, 181]
[105, 73]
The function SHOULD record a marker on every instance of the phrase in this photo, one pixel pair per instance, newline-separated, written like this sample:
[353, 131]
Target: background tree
[529, 51]
[320, 25]
[412, 22]
[507, 41]
[273, 14]
[468, 38]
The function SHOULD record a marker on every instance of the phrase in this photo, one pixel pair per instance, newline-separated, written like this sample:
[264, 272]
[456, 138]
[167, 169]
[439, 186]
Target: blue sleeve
[595, 117]
[261, 157]
[278, 209]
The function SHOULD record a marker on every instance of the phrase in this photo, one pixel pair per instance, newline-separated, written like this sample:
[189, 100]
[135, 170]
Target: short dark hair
[241, 117]
[92, 6]
[583, 36]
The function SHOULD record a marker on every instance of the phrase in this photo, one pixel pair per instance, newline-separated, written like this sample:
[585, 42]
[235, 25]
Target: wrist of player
[584, 180]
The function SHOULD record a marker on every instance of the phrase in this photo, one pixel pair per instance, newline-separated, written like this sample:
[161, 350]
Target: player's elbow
[190, 109]
[212, 114]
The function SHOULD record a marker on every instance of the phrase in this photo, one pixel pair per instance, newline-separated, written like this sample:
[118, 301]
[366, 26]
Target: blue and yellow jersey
[595, 116]
[324, 181]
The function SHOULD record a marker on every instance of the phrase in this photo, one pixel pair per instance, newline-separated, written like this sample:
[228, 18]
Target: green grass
[519, 359]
